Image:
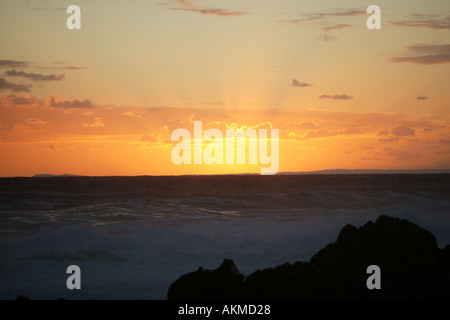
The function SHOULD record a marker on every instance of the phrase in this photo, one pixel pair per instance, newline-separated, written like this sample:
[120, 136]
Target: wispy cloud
[336, 97]
[422, 97]
[35, 76]
[97, 123]
[390, 139]
[336, 27]
[134, 114]
[426, 54]
[36, 121]
[296, 83]
[401, 155]
[425, 21]
[68, 104]
[5, 85]
[308, 17]
[326, 37]
[13, 64]
[14, 100]
[186, 5]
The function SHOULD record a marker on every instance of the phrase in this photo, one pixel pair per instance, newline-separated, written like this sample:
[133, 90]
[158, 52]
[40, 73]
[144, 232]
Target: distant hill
[55, 175]
[368, 171]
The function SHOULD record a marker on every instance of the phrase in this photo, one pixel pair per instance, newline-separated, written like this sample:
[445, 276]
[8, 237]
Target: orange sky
[104, 100]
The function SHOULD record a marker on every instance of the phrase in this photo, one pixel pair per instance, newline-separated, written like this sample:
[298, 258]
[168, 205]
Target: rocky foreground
[412, 267]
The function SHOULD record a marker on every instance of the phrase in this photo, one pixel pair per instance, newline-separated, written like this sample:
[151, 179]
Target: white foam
[139, 261]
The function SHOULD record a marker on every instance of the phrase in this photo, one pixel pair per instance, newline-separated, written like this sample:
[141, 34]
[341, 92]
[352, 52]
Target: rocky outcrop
[412, 267]
[223, 283]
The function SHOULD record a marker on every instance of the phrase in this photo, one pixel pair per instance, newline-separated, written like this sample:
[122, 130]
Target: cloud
[296, 83]
[66, 104]
[5, 85]
[383, 133]
[321, 133]
[134, 114]
[307, 125]
[151, 138]
[336, 97]
[14, 100]
[12, 64]
[401, 155]
[308, 17]
[336, 27]
[216, 12]
[425, 21]
[36, 121]
[390, 139]
[63, 67]
[426, 54]
[422, 97]
[351, 131]
[403, 131]
[97, 123]
[186, 5]
[326, 37]
[444, 141]
[66, 68]
[35, 76]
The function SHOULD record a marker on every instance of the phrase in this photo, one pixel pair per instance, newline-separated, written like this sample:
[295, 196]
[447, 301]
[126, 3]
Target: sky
[105, 99]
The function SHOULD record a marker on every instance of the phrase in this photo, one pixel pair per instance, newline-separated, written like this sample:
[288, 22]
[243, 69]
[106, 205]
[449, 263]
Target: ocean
[133, 236]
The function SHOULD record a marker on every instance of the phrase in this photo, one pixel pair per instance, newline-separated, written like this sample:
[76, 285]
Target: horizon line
[318, 172]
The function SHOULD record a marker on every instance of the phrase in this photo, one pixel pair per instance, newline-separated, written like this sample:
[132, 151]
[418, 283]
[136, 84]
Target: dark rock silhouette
[412, 267]
[223, 283]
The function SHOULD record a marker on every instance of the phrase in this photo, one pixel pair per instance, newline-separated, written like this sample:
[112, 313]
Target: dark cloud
[35, 76]
[401, 155]
[336, 27]
[426, 54]
[402, 131]
[336, 97]
[296, 83]
[390, 139]
[308, 17]
[186, 5]
[66, 104]
[383, 133]
[216, 12]
[445, 141]
[14, 100]
[5, 85]
[422, 97]
[12, 64]
[425, 21]
[36, 121]
[69, 68]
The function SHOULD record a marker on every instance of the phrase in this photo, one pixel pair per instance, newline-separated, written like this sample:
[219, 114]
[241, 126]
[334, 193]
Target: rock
[412, 267]
[224, 282]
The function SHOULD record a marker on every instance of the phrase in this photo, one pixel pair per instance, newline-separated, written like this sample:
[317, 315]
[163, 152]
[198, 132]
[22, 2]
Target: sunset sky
[104, 100]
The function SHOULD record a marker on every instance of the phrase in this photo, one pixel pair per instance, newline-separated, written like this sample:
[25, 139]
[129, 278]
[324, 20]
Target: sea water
[133, 236]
